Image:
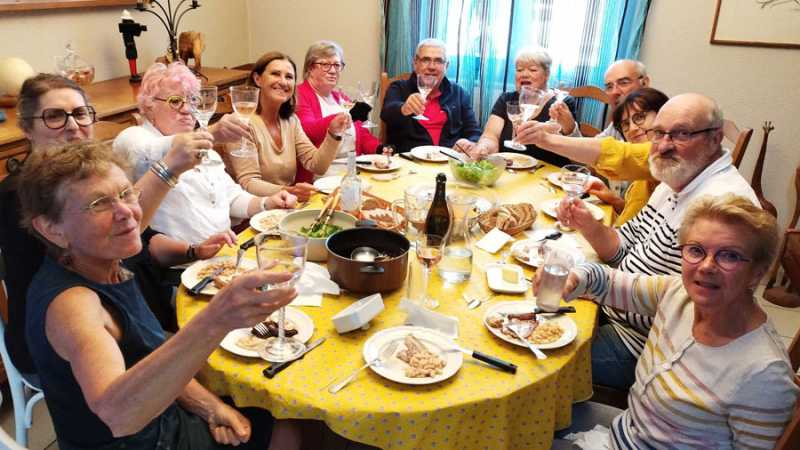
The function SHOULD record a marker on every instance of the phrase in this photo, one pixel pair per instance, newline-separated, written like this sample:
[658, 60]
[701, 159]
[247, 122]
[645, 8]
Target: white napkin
[595, 439]
[314, 282]
[423, 317]
[494, 240]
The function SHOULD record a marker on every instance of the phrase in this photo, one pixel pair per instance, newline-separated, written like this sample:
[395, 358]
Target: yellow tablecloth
[478, 408]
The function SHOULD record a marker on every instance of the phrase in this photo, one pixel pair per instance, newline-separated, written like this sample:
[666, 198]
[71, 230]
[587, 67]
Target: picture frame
[757, 23]
[36, 5]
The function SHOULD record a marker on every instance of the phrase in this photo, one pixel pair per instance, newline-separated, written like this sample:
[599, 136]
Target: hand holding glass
[245, 103]
[557, 264]
[202, 105]
[515, 116]
[574, 179]
[425, 84]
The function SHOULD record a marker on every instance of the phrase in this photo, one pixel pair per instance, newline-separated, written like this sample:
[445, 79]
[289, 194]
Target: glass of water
[555, 269]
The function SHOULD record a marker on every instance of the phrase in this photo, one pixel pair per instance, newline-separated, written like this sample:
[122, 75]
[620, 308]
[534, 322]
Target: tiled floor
[41, 436]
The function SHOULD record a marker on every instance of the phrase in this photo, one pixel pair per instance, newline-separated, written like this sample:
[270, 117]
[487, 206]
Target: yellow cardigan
[620, 160]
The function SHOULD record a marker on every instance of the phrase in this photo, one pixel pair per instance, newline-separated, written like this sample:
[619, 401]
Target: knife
[197, 289]
[274, 368]
[493, 360]
[560, 310]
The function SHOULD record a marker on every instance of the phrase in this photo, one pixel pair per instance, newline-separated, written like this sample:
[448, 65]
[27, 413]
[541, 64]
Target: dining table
[479, 407]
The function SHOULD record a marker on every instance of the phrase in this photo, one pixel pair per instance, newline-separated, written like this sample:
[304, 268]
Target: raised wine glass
[425, 84]
[429, 253]
[574, 179]
[515, 116]
[368, 91]
[245, 103]
[530, 102]
[203, 105]
[560, 93]
[284, 255]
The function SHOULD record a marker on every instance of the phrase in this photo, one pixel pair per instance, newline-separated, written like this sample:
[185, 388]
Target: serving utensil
[375, 362]
[521, 329]
[326, 212]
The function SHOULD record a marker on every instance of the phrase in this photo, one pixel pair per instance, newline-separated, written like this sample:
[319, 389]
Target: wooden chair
[739, 139]
[385, 82]
[786, 293]
[755, 181]
[790, 439]
[589, 92]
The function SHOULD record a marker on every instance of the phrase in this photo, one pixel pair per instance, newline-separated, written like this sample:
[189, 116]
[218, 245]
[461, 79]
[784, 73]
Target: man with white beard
[688, 158]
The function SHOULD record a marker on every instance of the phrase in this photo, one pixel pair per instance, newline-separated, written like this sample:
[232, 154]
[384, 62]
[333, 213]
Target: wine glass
[560, 93]
[368, 91]
[530, 102]
[425, 84]
[284, 255]
[245, 103]
[574, 179]
[515, 116]
[429, 253]
[203, 105]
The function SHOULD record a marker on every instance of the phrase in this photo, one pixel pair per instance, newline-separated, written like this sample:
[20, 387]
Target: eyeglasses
[637, 118]
[56, 118]
[622, 83]
[727, 260]
[679, 136]
[431, 61]
[337, 67]
[128, 196]
[175, 102]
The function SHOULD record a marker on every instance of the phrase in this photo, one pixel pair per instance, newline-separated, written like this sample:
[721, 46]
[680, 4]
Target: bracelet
[191, 253]
[162, 172]
[338, 138]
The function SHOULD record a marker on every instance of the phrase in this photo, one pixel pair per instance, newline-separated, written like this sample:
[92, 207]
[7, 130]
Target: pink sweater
[310, 114]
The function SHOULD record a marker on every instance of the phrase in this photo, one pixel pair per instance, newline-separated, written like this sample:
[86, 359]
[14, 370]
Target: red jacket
[310, 114]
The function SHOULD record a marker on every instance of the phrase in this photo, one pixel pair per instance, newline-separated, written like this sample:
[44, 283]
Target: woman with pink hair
[204, 199]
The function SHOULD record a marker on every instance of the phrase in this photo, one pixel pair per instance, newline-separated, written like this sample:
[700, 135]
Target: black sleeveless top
[76, 426]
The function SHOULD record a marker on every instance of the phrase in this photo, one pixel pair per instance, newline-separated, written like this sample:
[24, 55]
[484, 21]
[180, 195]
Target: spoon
[366, 254]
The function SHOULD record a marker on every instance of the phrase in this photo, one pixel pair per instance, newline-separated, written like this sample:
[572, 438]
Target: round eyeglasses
[637, 118]
[727, 260]
[128, 196]
[176, 102]
[56, 118]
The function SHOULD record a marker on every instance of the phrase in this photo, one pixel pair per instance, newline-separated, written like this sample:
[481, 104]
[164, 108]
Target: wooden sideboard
[114, 100]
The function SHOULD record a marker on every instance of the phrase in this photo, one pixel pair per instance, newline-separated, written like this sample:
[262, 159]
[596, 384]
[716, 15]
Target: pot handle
[372, 269]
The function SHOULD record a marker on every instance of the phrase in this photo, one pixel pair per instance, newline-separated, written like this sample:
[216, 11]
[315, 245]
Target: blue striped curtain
[582, 36]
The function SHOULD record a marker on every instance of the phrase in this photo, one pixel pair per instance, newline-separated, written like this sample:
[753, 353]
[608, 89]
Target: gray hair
[319, 50]
[432, 42]
[536, 55]
[715, 116]
[637, 65]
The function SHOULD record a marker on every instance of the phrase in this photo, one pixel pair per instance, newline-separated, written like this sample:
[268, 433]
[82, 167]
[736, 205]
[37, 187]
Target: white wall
[751, 84]
[39, 36]
[291, 26]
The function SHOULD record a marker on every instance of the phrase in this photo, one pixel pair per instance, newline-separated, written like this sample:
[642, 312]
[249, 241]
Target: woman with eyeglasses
[110, 378]
[714, 372]
[319, 103]
[206, 198]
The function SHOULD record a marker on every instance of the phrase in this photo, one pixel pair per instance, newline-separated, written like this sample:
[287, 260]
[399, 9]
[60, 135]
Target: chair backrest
[589, 92]
[738, 138]
[385, 82]
[790, 439]
[105, 131]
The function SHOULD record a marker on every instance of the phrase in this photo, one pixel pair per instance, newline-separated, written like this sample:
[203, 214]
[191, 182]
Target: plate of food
[377, 163]
[413, 355]
[201, 269]
[518, 161]
[327, 185]
[526, 251]
[549, 330]
[267, 221]
[429, 153]
[550, 208]
[247, 341]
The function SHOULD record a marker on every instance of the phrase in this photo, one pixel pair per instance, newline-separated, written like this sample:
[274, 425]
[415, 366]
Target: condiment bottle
[351, 187]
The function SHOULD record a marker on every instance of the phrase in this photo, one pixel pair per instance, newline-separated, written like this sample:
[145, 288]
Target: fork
[377, 361]
[262, 330]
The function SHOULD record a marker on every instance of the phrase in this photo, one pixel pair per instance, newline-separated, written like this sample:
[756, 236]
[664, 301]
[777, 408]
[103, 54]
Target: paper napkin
[494, 240]
[314, 282]
[423, 317]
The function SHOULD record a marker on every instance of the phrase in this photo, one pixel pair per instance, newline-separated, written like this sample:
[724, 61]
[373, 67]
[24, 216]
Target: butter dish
[358, 314]
[506, 278]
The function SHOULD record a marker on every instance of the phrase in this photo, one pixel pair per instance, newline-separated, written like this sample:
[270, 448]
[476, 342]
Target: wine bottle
[351, 187]
[437, 221]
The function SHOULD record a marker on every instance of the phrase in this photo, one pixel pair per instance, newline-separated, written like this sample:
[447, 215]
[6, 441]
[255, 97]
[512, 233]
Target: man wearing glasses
[622, 77]
[444, 117]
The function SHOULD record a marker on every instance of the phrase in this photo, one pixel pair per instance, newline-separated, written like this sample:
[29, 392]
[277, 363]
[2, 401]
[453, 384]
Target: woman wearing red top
[318, 103]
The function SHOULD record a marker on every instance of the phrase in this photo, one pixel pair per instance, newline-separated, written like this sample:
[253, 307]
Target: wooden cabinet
[114, 100]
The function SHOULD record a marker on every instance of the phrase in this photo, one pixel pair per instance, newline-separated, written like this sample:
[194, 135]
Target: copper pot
[382, 275]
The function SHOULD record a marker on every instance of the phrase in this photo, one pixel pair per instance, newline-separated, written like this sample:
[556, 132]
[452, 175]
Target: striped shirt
[690, 395]
[649, 241]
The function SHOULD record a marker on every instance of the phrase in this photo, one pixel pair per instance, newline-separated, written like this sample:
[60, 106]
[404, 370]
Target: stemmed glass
[203, 105]
[429, 253]
[574, 178]
[530, 102]
[515, 116]
[425, 84]
[368, 91]
[245, 103]
[285, 255]
[347, 99]
[560, 92]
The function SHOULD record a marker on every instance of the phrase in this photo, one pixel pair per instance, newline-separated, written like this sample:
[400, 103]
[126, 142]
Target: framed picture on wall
[33, 5]
[758, 23]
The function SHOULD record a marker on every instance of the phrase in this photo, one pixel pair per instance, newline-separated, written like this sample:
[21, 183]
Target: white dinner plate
[393, 165]
[267, 221]
[526, 251]
[190, 277]
[429, 153]
[550, 208]
[304, 324]
[393, 368]
[326, 185]
[519, 161]
[515, 307]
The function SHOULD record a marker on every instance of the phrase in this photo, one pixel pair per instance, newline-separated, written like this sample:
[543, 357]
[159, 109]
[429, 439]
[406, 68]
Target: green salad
[475, 172]
[319, 230]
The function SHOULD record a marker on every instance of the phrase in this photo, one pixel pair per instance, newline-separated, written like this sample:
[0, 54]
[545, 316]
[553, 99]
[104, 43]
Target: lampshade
[13, 72]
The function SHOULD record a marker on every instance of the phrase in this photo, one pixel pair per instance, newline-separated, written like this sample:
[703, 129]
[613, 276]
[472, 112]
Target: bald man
[688, 158]
[622, 77]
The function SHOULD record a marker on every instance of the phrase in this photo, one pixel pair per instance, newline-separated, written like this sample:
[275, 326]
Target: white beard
[675, 172]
